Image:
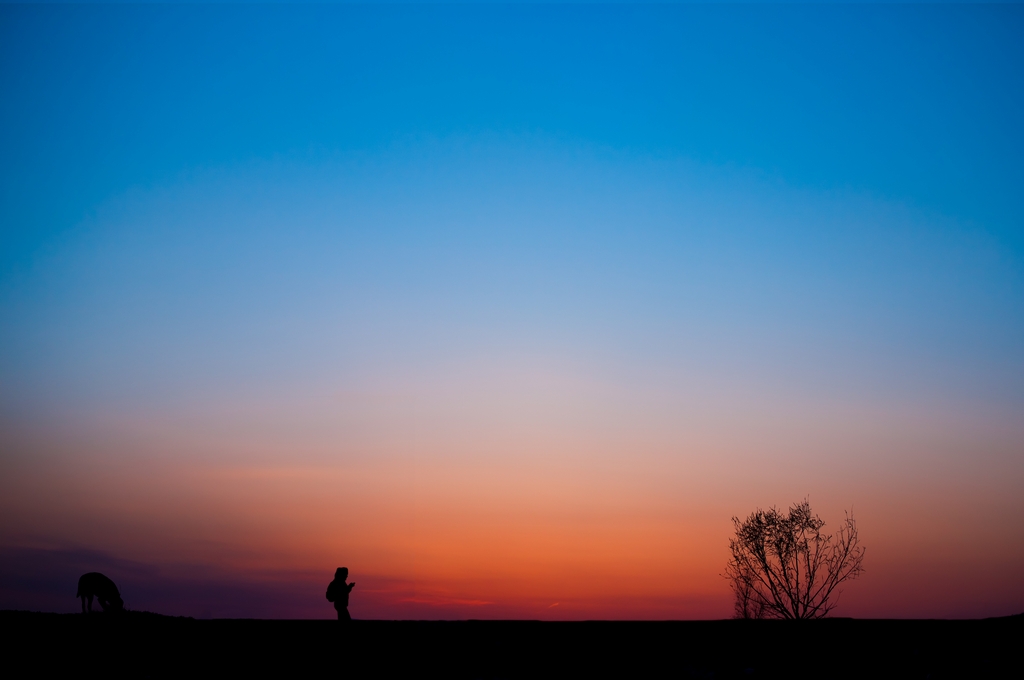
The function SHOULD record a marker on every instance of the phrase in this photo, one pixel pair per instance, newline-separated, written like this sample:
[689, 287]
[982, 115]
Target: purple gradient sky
[508, 309]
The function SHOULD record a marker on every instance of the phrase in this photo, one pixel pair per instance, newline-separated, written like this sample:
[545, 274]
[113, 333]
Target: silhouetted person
[337, 592]
[95, 584]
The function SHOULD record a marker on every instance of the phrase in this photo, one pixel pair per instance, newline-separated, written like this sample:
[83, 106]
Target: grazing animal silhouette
[95, 584]
[337, 592]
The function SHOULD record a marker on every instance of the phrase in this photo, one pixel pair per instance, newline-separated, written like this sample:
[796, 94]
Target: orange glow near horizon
[576, 531]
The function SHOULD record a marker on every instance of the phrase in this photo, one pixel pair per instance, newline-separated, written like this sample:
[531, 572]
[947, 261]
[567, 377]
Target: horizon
[509, 309]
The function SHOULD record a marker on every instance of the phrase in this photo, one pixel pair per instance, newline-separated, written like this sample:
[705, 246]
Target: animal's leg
[90, 603]
[83, 603]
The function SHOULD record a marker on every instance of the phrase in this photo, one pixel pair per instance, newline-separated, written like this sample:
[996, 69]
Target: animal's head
[116, 604]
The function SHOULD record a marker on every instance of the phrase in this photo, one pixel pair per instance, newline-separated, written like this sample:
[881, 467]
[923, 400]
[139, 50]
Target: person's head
[341, 573]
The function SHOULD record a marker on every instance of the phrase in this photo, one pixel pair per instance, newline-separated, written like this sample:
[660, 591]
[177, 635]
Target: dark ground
[148, 645]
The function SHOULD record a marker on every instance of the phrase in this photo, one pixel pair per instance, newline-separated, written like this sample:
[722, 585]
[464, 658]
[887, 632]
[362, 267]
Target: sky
[510, 309]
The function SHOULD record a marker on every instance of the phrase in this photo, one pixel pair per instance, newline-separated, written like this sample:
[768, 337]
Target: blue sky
[913, 103]
[916, 107]
[752, 251]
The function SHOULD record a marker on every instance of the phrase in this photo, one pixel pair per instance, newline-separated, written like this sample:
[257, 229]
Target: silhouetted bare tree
[783, 567]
